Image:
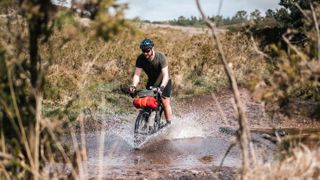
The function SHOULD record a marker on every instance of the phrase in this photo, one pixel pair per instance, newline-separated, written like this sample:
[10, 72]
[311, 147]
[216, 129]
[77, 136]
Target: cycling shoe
[162, 125]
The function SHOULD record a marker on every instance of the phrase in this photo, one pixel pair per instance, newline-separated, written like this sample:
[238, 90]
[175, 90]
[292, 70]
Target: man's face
[148, 53]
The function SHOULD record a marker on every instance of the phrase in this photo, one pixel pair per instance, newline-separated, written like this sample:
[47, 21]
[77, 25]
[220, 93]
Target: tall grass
[86, 73]
[28, 139]
[304, 163]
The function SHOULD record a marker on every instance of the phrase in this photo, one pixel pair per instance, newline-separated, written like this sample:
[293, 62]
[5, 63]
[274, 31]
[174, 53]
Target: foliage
[270, 13]
[256, 15]
[294, 61]
[8, 6]
[24, 132]
[291, 15]
[302, 164]
[241, 16]
[183, 21]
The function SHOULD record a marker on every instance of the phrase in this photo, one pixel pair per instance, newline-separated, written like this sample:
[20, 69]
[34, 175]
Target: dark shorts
[167, 90]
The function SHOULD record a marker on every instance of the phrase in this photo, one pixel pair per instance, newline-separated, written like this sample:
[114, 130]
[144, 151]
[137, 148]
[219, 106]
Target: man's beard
[150, 56]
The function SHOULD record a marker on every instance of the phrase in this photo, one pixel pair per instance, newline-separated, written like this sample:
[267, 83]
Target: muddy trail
[192, 147]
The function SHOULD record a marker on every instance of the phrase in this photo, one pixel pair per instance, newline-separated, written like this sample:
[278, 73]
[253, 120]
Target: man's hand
[132, 89]
[160, 89]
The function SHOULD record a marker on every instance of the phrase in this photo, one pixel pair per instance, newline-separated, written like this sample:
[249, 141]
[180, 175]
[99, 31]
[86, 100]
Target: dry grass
[194, 65]
[302, 164]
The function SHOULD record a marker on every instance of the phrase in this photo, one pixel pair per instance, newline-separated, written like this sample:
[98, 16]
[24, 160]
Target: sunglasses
[146, 50]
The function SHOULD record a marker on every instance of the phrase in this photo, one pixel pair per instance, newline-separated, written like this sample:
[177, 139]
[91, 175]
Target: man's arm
[136, 77]
[165, 78]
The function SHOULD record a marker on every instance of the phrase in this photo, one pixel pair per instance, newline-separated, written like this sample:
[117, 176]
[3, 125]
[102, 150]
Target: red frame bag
[146, 101]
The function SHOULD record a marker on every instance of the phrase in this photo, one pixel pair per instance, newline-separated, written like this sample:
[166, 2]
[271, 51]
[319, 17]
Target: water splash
[161, 134]
[125, 133]
[186, 127]
[122, 127]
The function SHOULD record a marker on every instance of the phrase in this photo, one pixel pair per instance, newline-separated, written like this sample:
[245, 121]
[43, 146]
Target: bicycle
[143, 124]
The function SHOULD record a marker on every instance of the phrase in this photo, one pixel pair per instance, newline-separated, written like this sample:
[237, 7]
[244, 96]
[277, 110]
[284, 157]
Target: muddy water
[197, 139]
[190, 152]
[171, 149]
[194, 141]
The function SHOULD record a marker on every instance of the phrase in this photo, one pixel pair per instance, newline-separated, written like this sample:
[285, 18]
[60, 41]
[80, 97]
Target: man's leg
[167, 108]
[166, 101]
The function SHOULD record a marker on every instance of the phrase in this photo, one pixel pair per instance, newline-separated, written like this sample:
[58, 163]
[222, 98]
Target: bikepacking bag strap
[147, 101]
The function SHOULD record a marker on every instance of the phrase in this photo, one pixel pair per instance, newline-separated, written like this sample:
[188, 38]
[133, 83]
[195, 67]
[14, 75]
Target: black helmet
[146, 44]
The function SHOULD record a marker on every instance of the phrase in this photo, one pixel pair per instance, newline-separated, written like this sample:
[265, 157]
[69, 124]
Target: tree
[182, 21]
[218, 19]
[293, 60]
[290, 15]
[270, 13]
[240, 16]
[256, 15]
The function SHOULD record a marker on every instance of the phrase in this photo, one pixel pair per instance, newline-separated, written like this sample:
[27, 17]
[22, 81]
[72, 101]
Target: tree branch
[244, 136]
[317, 28]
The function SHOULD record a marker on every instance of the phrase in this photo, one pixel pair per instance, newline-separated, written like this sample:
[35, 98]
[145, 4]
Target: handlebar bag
[145, 92]
[146, 101]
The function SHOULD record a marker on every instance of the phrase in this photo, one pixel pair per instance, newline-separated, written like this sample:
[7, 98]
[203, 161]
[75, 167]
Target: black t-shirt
[153, 68]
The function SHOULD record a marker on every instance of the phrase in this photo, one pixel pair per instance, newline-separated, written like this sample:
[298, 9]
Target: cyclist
[155, 65]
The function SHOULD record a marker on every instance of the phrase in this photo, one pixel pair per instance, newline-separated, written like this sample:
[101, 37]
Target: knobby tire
[157, 121]
[140, 121]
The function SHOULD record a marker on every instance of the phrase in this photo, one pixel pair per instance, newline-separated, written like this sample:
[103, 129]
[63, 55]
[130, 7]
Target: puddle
[184, 153]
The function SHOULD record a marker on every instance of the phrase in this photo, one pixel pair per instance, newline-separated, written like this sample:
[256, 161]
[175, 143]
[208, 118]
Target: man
[155, 65]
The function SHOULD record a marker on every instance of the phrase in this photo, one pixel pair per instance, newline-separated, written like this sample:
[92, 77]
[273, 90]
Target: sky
[162, 10]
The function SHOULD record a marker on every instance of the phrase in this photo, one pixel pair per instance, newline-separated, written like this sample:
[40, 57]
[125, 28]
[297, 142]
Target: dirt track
[189, 30]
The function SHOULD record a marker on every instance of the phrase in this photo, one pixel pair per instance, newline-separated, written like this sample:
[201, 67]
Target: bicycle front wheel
[141, 123]
[157, 121]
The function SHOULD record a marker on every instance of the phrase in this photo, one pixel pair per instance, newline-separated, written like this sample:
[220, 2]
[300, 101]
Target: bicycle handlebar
[136, 92]
[154, 89]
